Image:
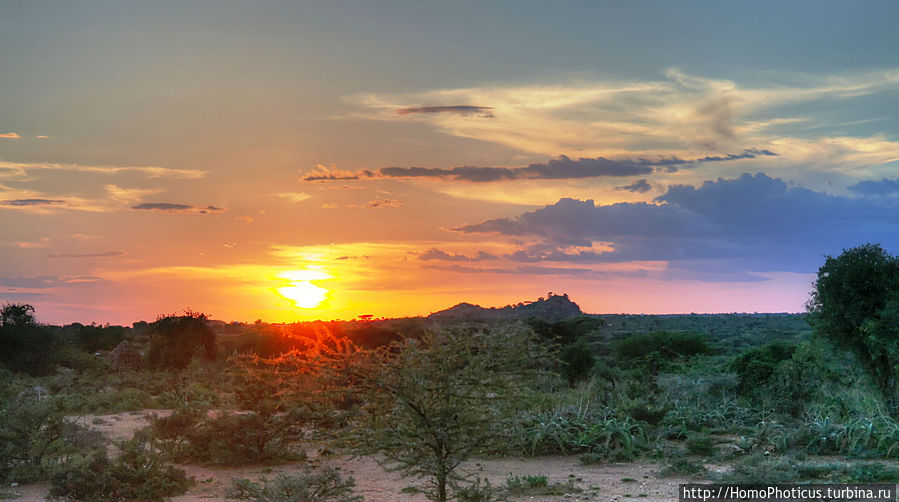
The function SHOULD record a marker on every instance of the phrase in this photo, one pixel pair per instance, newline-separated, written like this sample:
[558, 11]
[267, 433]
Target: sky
[292, 161]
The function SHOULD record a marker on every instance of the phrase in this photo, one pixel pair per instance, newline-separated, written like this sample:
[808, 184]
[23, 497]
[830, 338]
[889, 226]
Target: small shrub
[538, 485]
[681, 466]
[32, 429]
[761, 469]
[480, 490]
[518, 485]
[870, 472]
[701, 445]
[229, 439]
[137, 474]
[668, 345]
[322, 485]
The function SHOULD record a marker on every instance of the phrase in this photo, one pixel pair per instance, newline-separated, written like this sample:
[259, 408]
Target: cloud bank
[561, 168]
[754, 223]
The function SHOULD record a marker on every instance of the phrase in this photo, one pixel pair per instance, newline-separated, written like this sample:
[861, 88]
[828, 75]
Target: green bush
[229, 439]
[32, 429]
[137, 474]
[535, 485]
[667, 345]
[322, 485]
[755, 366]
[175, 340]
[759, 468]
[701, 445]
[682, 466]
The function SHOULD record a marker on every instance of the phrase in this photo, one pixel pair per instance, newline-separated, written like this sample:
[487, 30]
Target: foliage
[681, 466]
[136, 474]
[92, 338]
[24, 345]
[755, 366]
[479, 490]
[534, 485]
[781, 376]
[175, 340]
[597, 437]
[568, 338]
[761, 469]
[31, 431]
[17, 314]
[855, 305]
[313, 485]
[431, 403]
[667, 345]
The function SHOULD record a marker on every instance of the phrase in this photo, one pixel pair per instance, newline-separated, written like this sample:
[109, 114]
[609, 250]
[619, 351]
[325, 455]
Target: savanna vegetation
[775, 397]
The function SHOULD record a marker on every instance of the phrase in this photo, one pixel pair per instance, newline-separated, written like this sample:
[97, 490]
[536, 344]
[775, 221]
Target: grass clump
[538, 485]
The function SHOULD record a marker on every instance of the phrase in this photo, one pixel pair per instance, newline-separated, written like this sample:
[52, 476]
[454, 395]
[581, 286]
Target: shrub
[667, 345]
[755, 366]
[534, 485]
[31, 431]
[701, 445]
[137, 474]
[322, 485]
[682, 466]
[175, 340]
[228, 439]
[761, 469]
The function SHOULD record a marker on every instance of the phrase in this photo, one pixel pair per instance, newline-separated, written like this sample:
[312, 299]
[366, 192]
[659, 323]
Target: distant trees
[176, 339]
[855, 304]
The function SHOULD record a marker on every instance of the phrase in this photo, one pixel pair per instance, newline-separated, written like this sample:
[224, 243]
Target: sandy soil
[598, 482]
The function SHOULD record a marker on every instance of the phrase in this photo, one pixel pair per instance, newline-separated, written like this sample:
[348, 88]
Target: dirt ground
[606, 482]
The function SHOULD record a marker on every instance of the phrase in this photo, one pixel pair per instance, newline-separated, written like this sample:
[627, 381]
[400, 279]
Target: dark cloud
[45, 281]
[332, 177]
[376, 203]
[467, 110]
[639, 186]
[752, 223]
[107, 254]
[437, 254]
[174, 208]
[870, 187]
[162, 206]
[559, 168]
[30, 202]
[525, 270]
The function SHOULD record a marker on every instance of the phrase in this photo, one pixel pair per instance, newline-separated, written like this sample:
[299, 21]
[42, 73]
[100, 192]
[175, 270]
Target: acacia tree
[855, 304]
[433, 402]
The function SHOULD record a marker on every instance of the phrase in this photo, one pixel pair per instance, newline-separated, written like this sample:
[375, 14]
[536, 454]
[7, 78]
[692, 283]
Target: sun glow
[302, 291]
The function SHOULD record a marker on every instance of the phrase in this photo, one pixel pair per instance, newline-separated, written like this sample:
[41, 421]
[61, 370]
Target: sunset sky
[318, 160]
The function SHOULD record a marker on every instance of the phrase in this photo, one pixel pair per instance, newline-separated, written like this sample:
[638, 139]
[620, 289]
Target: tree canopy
[855, 304]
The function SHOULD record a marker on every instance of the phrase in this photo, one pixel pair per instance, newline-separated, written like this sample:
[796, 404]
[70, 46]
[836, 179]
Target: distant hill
[552, 308]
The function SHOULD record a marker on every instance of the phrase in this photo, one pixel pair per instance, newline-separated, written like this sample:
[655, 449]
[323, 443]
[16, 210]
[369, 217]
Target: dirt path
[607, 482]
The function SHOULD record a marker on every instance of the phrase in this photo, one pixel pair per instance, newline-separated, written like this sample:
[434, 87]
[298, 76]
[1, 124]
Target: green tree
[856, 298]
[25, 346]
[17, 314]
[176, 339]
[435, 401]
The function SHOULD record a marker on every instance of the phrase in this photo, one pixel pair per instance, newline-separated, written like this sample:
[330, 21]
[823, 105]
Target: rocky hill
[552, 308]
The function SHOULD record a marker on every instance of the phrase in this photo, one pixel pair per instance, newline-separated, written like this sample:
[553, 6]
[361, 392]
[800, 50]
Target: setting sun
[304, 294]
